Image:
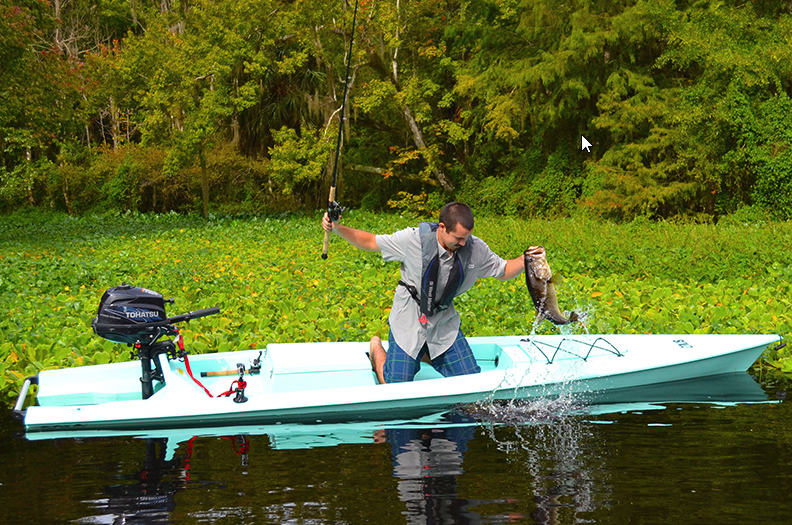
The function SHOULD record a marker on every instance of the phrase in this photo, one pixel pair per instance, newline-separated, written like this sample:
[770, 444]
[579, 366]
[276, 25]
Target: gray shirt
[441, 329]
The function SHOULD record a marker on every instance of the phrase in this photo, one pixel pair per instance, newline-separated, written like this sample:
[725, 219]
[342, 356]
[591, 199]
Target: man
[438, 262]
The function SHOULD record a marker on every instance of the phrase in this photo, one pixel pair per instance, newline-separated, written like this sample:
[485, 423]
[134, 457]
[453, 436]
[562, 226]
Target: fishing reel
[334, 211]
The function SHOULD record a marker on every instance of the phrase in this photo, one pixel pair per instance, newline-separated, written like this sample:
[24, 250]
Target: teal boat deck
[287, 367]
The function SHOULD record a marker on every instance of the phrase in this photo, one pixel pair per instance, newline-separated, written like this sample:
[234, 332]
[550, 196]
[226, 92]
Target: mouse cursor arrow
[584, 144]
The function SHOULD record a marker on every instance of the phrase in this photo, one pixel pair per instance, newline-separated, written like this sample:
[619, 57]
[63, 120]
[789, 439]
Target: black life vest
[427, 299]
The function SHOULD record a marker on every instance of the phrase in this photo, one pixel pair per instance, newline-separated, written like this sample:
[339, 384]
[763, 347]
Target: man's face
[452, 239]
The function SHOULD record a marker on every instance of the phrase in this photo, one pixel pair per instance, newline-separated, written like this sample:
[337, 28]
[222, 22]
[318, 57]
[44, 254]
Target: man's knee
[399, 367]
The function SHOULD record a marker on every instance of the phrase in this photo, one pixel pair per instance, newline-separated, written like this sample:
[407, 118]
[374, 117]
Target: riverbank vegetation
[203, 106]
[266, 275]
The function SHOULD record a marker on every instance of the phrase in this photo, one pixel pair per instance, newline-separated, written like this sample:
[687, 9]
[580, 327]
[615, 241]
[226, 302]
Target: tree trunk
[418, 138]
[58, 36]
[235, 132]
[204, 184]
[28, 161]
[115, 128]
[65, 190]
[421, 145]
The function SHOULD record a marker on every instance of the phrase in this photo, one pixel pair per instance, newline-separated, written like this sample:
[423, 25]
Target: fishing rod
[334, 210]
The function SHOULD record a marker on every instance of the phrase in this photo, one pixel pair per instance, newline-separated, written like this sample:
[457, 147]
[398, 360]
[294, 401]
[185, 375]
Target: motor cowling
[129, 314]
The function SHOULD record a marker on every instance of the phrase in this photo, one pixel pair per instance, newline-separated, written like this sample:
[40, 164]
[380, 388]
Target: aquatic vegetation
[266, 275]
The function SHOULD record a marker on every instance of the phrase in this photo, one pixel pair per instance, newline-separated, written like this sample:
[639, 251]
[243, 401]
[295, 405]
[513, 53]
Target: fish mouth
[536, 260]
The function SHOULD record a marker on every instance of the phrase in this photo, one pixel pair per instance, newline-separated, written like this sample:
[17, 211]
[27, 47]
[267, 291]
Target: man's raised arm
[358, 238]
[515, 267]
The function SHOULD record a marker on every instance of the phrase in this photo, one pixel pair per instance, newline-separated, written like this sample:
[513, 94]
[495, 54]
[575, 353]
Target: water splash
[560, 455]
[517, 412]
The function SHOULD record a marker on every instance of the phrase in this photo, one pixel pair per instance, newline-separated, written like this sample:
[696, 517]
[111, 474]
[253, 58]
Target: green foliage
[124, 174]
[427, 206]
[687, 105]
[529, 192]
[267, 278]
[704, 130]
[296, 162]
[25, 182]
[238, 182]
[771, 154]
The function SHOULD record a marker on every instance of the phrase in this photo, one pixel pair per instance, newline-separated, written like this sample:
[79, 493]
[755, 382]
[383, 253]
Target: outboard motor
[131, 315]
[136, 317]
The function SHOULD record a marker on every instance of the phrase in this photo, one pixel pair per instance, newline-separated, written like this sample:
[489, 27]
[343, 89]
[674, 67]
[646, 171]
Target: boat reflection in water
[548, 441]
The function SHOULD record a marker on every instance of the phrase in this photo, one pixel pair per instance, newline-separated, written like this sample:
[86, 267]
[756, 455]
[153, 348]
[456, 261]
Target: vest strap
[426, 296]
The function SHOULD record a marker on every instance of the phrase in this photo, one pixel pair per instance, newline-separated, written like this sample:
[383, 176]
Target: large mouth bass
[540, 282]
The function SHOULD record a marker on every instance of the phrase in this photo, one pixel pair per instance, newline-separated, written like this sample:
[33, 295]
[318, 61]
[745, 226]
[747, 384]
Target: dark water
[566, 461]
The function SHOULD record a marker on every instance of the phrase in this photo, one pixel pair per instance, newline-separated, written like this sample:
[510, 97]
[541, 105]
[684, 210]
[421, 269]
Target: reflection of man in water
[427, 463]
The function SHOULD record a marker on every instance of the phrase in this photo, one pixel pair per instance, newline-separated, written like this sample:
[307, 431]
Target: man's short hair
[456, 213]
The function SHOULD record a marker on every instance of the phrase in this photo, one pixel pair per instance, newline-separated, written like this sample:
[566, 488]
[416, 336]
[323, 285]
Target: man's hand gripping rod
[334, 211]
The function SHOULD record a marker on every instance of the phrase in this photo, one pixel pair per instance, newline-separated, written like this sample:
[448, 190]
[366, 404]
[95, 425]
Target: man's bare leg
[377, 355]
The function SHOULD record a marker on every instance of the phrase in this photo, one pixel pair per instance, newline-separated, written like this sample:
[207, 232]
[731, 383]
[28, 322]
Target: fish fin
[557, 279]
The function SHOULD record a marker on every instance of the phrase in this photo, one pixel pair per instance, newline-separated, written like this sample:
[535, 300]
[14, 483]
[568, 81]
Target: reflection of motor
[146, 495]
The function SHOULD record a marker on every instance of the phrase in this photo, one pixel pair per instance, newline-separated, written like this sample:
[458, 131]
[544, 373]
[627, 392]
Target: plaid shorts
[458, 360]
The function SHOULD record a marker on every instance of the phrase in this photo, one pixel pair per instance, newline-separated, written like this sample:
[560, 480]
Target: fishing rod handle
[326, 246]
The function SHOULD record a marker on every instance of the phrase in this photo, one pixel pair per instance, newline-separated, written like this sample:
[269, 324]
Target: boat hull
[333, 382]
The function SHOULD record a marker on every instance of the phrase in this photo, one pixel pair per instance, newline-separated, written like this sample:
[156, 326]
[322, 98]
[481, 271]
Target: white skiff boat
[333, 382]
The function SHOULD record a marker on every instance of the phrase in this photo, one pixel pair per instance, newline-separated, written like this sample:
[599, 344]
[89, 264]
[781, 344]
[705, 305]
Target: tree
[529, 74]
[40, 96]
[691, 135]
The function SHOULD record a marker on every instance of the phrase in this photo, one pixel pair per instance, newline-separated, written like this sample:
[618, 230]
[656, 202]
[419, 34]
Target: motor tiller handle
[193, 315]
